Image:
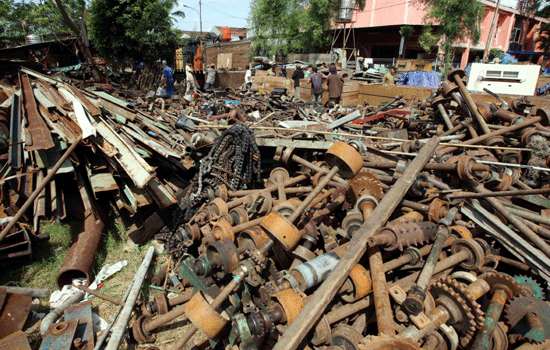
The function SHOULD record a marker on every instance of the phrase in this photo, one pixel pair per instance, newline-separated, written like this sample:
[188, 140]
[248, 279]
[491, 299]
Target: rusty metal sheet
[54, 96]
[3, 294]
[41, 135]
[160, 193]
[14, 313]
[100, 181]
[140, 195]
[16, 245]
[59, 336]
[133, 164]
[94, 111]
[16, 149]
[15, 341]
[41, 97]
[85, 329]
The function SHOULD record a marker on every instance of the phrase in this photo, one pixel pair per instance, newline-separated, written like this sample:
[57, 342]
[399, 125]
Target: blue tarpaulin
[420, 79]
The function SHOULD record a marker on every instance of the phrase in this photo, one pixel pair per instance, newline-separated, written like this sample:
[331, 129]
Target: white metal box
[504, 78]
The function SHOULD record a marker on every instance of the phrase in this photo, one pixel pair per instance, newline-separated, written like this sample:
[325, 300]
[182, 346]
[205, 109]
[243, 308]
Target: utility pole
[491, 32]
[200, 13]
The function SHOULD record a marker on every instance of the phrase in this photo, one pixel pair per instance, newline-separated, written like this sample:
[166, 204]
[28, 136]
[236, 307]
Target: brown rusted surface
[81, 257]
[282, 230]
[94, 111]
[291, 304]
[384, 312]
[56, 97]
[39, 131]
[346, 158]
[15, 341]
[204, 316]
[14, 313]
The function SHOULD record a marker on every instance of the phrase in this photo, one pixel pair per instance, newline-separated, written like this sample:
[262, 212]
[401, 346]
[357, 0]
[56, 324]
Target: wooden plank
[315, 307]
[375, 94]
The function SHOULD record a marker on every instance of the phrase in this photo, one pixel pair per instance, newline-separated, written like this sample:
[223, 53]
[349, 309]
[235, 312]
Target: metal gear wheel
[365, 183]
[503, 281]
[529, 284]
[462, 289]
[385, 342]
[519, 315]
[447, 292]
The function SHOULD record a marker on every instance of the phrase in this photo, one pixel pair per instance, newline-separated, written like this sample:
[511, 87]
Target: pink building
[377, 32]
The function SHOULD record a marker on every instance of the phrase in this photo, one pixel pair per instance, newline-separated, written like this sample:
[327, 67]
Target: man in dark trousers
[296, 76]
[335, 84]
[316, 80]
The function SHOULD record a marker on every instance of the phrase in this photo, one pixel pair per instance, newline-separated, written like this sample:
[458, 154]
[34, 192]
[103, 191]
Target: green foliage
[20, 18]
[406, 31]
[138, 29]
[496, 53]
[456, 20]
[428, 38]
[283, 26]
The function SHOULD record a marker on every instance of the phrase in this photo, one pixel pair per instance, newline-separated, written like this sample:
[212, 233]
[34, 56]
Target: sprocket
[363, 184]
[466, 323]
[385, 342]
[529, 284]
[516, 317]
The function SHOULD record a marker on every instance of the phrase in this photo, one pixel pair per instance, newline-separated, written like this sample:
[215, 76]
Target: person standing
[248, 77]
[168, 74]
[308, 72]
[296, 76]
[316, 80]
[388, 78]
[211, 73]
[282, 72]
[190, 77]
[335, 84]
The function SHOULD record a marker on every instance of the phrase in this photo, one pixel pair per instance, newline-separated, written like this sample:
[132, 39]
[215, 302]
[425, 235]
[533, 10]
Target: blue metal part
[82, 313]
[59, 336]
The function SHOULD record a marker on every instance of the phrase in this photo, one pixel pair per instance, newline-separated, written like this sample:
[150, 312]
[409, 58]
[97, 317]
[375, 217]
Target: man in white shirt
[248, 77]
[190, 77]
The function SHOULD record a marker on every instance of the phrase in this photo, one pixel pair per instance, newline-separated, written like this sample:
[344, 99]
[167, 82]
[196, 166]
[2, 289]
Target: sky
[232, 13]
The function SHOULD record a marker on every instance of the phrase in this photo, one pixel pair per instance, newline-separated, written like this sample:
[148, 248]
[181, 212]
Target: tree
[406, 32]
[140, 30]
[20, 18]
[68, 19]
[283, 26]
[274, 23]
[450, 21]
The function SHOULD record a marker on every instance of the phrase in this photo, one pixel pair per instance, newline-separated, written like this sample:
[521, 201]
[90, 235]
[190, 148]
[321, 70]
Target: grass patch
[41, 271]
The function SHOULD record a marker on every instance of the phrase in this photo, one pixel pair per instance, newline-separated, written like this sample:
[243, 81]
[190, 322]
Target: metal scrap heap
[415, 224]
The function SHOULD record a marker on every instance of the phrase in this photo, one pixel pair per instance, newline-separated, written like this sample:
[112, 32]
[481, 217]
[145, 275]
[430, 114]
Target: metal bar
[315, 307]
[16, 149]
[31, 292]
[40, 133]
[105, 334]
[498, 194]
[120, 327]
[39, 189]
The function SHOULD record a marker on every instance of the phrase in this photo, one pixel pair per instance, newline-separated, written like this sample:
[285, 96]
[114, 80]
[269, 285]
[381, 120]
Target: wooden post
[491, 32]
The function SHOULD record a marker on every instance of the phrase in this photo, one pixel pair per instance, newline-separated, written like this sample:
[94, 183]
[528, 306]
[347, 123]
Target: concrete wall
[239, 49]
[309, 57]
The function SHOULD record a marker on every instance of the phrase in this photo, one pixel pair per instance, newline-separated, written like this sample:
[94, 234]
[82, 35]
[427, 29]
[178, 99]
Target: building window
[516, 31]
[516, 35]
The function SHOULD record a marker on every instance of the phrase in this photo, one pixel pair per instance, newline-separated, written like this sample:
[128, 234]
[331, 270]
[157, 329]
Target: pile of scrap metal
[411, 225]
[419, 227]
